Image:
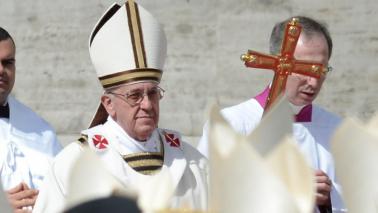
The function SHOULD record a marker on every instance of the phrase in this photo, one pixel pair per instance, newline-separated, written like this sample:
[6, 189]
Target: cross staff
[283, 64]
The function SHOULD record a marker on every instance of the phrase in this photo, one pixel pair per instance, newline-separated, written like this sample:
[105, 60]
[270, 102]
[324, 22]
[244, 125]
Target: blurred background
[205, 40]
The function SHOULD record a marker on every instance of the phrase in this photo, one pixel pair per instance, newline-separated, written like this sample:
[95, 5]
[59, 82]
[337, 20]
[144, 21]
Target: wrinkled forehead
[143, 85]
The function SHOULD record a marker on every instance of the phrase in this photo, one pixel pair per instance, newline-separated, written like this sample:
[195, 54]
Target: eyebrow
[141, 89]
[135, 90]
[12, 60]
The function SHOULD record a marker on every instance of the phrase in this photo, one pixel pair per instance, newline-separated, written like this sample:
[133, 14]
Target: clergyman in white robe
[187, 167]
[27, 145]
[312, 130]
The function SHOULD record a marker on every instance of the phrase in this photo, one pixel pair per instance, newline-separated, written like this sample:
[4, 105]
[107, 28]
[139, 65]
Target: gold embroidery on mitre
[131, 75]
[136, 34]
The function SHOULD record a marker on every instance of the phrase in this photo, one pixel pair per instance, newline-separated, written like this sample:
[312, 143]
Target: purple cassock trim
[262, 97]
[304, 115]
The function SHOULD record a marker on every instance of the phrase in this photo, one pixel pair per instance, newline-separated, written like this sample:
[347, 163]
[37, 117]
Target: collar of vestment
[302, 113]
[111, 136]
[103, 139]
[152, 144]
[145, 156]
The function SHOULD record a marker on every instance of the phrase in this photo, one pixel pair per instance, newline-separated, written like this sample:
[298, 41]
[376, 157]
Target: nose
[146, 102]
[312, 81]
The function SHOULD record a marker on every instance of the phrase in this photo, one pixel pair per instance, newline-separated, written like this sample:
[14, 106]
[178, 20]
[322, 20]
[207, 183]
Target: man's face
[302, 90]
[138, 121]
[7, 68]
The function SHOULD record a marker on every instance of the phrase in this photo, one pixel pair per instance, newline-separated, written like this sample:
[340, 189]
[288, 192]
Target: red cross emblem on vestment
[100, 142]
[170, 138]
[283, 64]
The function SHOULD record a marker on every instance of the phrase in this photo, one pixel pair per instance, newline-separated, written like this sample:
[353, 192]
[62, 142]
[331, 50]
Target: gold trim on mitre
[119, 78]
[136, 34]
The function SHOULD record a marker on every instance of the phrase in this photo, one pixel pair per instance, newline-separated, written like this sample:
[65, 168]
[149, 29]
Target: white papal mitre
[127, 45]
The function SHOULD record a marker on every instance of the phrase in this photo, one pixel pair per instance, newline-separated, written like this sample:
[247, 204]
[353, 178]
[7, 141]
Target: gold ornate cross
[283, 64]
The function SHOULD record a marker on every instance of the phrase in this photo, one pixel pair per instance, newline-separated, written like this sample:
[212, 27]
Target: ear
[107, 102]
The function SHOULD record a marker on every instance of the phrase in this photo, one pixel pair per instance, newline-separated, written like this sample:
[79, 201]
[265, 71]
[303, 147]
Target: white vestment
[27, 145]
[312, 137]
[187, 167]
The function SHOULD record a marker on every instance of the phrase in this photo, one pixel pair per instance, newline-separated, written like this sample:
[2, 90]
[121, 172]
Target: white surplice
[312, 137]
[187, 167]
[27, 145]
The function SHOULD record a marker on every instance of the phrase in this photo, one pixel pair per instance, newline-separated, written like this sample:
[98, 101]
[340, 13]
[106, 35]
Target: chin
[306, 100]
[309, 100]
[145, 132]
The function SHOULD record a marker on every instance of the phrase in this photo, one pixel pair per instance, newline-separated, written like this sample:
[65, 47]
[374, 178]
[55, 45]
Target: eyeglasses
[134, 98]
[328, 69]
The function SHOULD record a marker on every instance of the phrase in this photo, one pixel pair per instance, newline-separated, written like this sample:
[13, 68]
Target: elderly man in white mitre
[128, 48]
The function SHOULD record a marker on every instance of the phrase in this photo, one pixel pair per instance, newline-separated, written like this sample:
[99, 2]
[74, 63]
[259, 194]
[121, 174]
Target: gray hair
[309, 28]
